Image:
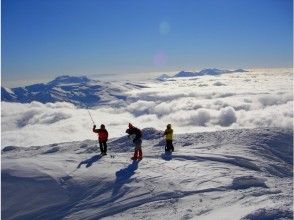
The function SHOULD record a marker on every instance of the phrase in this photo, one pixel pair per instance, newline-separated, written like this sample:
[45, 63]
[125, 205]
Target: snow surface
[230, 174]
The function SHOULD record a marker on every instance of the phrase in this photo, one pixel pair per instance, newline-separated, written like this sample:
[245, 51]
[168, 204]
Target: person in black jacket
[136, 134]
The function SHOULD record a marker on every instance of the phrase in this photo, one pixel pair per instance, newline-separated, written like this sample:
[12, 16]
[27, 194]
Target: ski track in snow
[231, 174]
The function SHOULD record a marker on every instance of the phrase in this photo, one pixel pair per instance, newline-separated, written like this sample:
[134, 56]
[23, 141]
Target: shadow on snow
[90, 161]
[123, 176]
[167, 156]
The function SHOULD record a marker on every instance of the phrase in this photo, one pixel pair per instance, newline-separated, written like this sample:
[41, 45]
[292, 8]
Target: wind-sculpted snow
[230, 174]
[245, 182]
[248, 100]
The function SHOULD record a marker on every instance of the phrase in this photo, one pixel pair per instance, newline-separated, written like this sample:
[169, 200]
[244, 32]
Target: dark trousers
[103, 147]
[169, 145]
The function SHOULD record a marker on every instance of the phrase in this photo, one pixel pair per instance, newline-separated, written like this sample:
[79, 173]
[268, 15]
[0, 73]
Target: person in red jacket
[102, 138]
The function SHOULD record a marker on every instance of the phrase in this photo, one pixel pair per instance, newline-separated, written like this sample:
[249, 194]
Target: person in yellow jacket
[168, 133]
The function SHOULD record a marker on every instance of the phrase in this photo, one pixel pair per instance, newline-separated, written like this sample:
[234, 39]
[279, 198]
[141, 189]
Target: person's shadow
[167, 155]
[90, 161]
[123, 176]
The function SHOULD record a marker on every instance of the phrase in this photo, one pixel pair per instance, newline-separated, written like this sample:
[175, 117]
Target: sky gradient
[44, 39]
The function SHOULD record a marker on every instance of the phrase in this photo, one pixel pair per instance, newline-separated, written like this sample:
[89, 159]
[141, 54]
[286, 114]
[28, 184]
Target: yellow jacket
[168, 134]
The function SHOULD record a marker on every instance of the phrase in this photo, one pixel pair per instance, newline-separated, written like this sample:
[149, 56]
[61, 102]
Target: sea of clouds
[260, 98]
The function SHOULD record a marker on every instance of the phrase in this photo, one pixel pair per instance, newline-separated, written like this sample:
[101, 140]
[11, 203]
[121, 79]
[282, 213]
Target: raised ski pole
[91, 116]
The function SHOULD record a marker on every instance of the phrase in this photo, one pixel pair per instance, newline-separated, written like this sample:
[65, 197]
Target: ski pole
[91, 116]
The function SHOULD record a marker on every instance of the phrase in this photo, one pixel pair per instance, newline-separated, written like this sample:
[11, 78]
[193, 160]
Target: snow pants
[138, 149]
[169, 145]
[103, 147]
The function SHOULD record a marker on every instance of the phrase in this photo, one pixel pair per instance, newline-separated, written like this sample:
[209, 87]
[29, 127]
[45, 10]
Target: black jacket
[135, 131]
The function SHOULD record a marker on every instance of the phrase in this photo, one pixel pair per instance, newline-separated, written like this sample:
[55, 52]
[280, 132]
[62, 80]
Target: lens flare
[160, 59]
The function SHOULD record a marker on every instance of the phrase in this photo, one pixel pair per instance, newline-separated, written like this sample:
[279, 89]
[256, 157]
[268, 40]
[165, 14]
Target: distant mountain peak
[207, 71]
[184, 74]
[69, 79]
[240, 71]
[212, 71]
[78, 90]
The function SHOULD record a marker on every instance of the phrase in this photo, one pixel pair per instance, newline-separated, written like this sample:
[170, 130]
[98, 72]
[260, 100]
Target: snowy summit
[233, 174]
[79, 90]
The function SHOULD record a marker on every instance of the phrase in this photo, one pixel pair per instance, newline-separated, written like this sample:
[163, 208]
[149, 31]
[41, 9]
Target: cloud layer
[255, 99]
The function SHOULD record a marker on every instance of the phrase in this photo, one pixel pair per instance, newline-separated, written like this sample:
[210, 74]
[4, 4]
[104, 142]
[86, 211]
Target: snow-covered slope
[80, 91]
[232, 174]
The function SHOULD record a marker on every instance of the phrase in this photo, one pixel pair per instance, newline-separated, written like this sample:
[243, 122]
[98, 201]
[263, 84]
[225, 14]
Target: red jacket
[102, 134]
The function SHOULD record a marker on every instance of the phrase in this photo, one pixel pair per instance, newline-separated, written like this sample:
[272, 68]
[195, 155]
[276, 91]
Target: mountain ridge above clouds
[71, 79]
[208, 71]
[203, 72]
[233, 174]
[84, 92]
[78, 90]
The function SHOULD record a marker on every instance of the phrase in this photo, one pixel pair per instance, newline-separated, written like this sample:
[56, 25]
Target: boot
[135, 155]
[140, 155]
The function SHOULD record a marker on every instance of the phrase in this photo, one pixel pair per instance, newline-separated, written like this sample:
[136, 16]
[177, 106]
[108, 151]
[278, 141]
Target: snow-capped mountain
[80, 91]
[185, 74]
[211, 72]
[84, 92]
[233, 174]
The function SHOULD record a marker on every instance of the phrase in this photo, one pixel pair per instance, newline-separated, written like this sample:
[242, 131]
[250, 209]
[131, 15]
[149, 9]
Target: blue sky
[43, 39]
